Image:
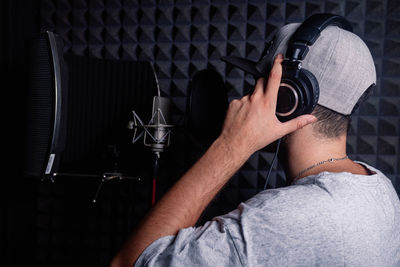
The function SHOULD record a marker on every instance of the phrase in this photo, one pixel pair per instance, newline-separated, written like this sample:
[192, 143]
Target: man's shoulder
[327, 193]
[286, 195]
[288, 205]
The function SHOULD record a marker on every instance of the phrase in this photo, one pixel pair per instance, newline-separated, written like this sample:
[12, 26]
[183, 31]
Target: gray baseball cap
[339, 59]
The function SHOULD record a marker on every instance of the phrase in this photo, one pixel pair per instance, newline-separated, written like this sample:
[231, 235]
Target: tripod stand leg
[98, 191]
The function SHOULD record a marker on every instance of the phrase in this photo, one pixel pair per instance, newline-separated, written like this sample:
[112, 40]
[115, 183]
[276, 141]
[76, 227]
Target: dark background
[47, 224]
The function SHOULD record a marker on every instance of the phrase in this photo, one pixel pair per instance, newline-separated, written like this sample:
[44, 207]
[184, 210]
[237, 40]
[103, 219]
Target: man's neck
[304, 149]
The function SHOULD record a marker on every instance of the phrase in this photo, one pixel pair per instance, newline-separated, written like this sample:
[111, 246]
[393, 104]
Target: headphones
[299, 90]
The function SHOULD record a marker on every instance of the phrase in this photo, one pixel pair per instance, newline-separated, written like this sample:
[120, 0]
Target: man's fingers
[298, 123]
[259, 86]
[274, 79]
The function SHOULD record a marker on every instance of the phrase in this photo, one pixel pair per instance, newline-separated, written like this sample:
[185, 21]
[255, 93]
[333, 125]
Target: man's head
[340, 62]
[343, 66]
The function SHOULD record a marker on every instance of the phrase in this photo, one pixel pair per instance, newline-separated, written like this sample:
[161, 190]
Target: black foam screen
[46, 105]
[86, 134]
[102, 95]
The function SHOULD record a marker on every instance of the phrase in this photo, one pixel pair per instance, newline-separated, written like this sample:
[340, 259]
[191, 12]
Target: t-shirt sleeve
[208, 245]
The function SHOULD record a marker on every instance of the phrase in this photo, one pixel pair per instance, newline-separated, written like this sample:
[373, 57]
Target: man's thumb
[298, 123]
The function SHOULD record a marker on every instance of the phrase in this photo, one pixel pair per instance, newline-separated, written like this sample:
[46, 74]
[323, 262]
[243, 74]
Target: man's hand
[251, 123]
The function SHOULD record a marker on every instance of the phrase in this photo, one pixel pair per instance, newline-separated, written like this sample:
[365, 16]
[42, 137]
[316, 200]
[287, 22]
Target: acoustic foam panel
[182, 37]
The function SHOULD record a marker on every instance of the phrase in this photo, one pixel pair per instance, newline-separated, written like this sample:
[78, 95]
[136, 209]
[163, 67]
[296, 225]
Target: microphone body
[157, 131]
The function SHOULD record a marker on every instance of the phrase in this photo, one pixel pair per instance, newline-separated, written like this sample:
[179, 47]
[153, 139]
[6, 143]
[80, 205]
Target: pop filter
[206, 107]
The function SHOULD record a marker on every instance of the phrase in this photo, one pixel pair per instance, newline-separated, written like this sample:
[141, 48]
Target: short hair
[332, 124]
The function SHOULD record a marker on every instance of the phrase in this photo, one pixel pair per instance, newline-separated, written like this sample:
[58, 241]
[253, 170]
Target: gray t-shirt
[329, 219]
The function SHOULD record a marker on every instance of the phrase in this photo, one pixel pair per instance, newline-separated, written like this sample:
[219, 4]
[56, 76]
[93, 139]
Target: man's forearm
[183, 204]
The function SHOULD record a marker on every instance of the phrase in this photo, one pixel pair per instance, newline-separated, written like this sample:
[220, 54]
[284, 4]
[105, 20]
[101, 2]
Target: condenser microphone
[157, 133]
[158, 130]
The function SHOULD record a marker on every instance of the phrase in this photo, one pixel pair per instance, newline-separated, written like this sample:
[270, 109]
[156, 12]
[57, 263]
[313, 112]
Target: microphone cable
[272, 163]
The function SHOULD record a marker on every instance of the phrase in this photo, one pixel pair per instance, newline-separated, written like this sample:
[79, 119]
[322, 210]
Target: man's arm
[250, 125]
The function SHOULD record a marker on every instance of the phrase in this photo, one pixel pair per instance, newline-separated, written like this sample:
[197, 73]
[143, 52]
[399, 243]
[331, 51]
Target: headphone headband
[310, 30]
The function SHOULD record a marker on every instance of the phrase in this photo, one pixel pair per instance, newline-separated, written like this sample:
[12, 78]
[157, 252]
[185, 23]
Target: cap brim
[244, 64]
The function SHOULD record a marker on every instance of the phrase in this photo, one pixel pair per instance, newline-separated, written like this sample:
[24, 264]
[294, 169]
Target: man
[335, 212]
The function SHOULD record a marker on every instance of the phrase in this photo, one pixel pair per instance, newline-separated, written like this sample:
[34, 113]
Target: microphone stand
[155, 174]
[105, 177]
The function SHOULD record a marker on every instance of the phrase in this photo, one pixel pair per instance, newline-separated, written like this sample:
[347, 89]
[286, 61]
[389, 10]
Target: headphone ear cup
[312, 91]
[298, 94]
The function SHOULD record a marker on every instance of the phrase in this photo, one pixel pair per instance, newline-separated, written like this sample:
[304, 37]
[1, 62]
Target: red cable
[153, 197]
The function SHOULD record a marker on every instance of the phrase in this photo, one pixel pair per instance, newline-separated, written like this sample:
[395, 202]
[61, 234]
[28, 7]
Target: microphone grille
[164, 105]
